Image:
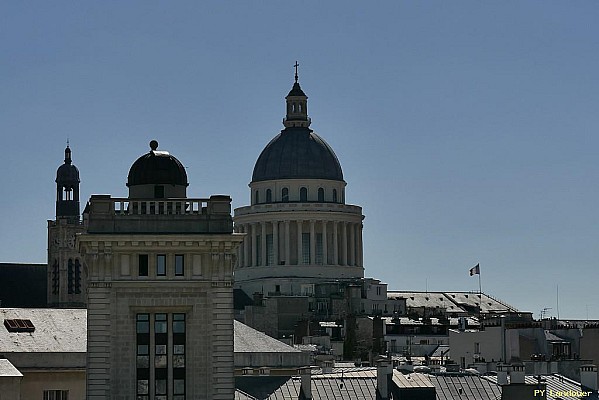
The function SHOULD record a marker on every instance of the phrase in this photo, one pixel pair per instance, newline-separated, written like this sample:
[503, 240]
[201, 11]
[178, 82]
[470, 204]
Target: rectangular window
[319, 249]
[378, 290]
[161, 265]
[143, 265]
[168, 380]
[179, 265]
[307, 289]
[160, 356]
[477, 348]
[56, 395]
[270, 254]
[305, 248]
[178, 356]
[143, 356]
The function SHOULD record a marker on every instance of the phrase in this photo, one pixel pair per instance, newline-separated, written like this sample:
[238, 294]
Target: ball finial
[153, 145]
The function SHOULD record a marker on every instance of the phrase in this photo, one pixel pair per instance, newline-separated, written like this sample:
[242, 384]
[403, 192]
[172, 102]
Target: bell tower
[67, 189]
[66, 280]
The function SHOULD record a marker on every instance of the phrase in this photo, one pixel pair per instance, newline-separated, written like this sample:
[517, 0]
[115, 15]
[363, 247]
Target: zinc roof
[464, 387]
[557, 386]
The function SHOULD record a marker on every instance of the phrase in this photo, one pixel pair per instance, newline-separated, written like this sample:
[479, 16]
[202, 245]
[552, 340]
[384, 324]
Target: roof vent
[19, 325]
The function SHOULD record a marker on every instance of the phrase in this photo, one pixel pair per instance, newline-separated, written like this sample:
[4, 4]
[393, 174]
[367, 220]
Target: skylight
[19, 325]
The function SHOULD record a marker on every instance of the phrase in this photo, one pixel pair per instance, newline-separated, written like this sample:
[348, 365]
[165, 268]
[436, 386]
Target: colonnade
[341, 242]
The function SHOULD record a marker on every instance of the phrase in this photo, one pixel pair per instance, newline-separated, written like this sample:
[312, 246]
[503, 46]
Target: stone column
[344, 243]
[275, 242]
[246, 246]
[352, 244]
[254, 249]
[263, 244]
[287, 244]
[300, 257]
[335, 243]
[325, 256]
[312, 242]
[360, 246]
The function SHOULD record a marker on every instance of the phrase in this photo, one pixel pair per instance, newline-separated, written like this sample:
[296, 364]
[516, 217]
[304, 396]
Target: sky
[467, 130]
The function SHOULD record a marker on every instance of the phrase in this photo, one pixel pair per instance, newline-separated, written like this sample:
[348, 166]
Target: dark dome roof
[157, 167]
[297, 153]
[67, 173]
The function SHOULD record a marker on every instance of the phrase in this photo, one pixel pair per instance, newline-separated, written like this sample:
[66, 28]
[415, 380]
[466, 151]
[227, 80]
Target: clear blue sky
[467, 130]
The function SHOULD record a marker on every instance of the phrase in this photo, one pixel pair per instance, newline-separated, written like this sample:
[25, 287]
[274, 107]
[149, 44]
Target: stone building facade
[160, 288]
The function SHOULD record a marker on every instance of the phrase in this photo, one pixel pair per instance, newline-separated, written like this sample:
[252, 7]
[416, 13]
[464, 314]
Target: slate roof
[56, 331]
[249, 340]
[14, 277]
[7, 369]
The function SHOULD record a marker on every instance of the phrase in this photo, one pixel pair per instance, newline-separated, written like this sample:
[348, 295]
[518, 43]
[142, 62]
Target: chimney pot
[588, 376]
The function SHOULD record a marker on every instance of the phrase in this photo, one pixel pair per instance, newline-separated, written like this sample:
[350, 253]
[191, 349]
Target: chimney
[588, 376]
[383, 373]
[517, 374]
[258, 298]
[327, 366]
[502, 370]
[306, 385]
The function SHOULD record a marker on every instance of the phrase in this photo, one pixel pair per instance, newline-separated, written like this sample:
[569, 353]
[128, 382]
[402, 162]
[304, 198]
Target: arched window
[77, 276]
[55, 277]
[285, 195]
[321, 195]
[334, 195]
[303, 194]
[256, 197]
[268, 196]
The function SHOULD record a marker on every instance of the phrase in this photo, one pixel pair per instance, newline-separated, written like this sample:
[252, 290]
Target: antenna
[544, 312]
[557, 295]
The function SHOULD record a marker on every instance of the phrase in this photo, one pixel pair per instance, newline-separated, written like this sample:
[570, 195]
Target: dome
[297, 153]
[157, 167]
[67, 173]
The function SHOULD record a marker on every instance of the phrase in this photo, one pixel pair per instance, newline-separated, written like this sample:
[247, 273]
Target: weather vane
[296, 65]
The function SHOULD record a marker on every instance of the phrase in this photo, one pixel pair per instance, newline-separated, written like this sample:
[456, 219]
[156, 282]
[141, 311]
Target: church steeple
[67, 188]
[297, 106]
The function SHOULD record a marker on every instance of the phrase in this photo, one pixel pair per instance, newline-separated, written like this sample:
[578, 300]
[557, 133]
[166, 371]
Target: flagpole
[480, 297]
